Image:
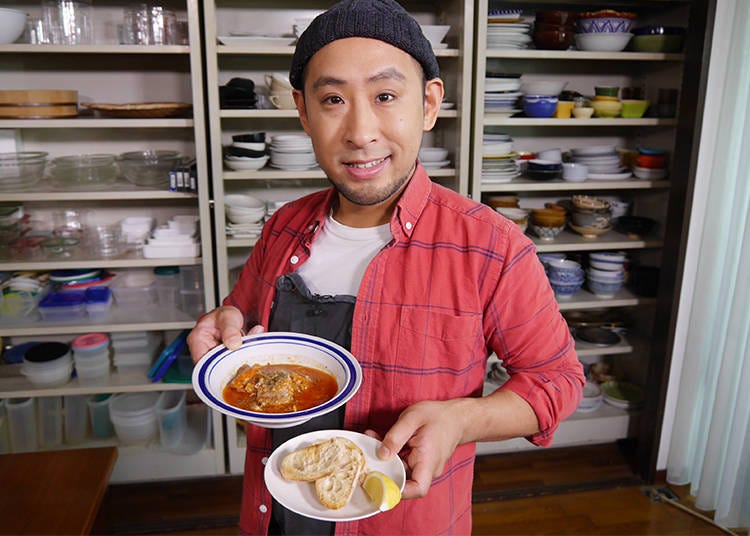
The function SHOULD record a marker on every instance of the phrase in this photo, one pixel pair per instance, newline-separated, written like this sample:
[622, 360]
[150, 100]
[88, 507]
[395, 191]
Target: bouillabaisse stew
[279, 388]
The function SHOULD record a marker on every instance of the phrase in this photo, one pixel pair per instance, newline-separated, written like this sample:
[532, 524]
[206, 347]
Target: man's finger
[229, 322]
[419, 483]
[395, 439]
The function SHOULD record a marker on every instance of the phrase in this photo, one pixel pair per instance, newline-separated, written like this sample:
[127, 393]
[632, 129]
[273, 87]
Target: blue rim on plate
[348, 367]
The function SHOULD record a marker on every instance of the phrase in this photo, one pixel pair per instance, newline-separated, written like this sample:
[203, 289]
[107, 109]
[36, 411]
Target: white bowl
[649, 173]
[217, 368]
[251, 145]
[606, 276]
[244, 165]
[241, 201]
[12, 25]
[435, 32]
[603, 42]
[573, 172]
[433, 154]
[542, 87]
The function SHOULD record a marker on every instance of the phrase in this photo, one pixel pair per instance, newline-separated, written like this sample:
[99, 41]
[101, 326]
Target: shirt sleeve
[532, 339]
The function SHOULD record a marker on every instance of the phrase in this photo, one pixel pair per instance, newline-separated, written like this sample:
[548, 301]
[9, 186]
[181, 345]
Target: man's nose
[361, 125]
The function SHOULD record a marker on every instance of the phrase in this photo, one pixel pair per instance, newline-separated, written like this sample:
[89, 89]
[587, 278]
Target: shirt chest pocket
[438, 356]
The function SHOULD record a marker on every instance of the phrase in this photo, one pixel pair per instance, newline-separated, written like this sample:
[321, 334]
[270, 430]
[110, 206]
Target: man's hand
[432, 430]
[222, 325]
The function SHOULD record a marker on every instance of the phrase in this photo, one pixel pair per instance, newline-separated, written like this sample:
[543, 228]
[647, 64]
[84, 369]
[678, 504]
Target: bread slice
[335, 490]
[319, 459]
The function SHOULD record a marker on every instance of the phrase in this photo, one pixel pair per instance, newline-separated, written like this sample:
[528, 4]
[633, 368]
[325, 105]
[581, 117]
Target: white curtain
[710, 441]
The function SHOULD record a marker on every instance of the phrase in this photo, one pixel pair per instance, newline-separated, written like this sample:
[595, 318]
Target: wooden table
[55, 492]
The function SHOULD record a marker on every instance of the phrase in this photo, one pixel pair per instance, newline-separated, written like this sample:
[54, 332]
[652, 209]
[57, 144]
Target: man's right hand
[223, 325]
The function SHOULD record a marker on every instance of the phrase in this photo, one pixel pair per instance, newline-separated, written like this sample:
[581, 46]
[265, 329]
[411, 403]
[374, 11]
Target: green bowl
[634, 109]
[607, 91]
[657, 43]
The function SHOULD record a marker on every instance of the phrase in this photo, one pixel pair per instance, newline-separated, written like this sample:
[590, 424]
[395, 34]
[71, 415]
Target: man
[419, 282]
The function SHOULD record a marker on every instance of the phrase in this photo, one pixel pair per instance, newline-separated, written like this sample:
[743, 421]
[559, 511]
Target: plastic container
[98, 302]
[134, 417]
[172, 416]
[21, 424]
[75, 418]
[134, 289]
[63, 305]
[167, 285]
[48, 364]
[4, 431]
[191, 302]
[50, 421]
[191, 278]
[91, 357]
[101, 423]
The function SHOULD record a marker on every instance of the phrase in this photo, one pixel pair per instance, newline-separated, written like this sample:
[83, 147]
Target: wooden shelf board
[582, 55]
[95, 49]
[96, 122]
[571, 241]
[241, 242]
[126, 260]
[528, 185]
[489, 120]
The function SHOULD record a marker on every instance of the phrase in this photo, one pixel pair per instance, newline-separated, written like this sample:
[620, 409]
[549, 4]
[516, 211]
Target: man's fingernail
[234, 343]
[384, 453]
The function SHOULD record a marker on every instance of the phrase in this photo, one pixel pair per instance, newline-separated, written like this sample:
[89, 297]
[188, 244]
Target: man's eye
[385, 97]
[333, 100]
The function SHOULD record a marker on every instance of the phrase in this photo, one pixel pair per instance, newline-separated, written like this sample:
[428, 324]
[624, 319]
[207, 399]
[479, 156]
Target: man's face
[365, 106]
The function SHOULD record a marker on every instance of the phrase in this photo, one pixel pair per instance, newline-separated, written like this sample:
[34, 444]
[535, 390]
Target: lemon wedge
[381, 490]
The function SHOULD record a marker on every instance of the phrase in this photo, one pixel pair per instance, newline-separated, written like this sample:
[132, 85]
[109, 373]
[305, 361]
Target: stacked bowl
[547, 223]
[434, 157]
[606, 273]
[84, 171]
[543, 170]
[498, 164]
[21, 170]
[245, 215]
[292, 152]
[247, 152]
[149, 167]
[605, 30]
[518, 216]
[540, 97]
[565, 277]
[650, 164]
[553, 30]
[590, 216]
[602, 162]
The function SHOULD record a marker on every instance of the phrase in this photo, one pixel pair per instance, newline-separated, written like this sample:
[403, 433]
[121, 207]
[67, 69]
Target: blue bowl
[604, 289]
[539, 106]
[565, 289]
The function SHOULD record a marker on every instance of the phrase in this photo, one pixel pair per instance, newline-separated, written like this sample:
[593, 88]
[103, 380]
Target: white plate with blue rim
[217, 368]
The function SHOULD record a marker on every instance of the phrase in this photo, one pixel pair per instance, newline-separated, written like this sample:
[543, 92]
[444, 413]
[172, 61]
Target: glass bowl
[148, 168]
[84, 171]
[60, 246]
[21, 170]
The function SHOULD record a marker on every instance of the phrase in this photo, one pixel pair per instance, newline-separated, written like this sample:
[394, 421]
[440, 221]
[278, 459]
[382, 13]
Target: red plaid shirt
[457, 282]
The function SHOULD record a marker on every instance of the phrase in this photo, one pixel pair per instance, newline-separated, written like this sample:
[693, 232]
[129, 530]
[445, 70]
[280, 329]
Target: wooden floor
[559, 491]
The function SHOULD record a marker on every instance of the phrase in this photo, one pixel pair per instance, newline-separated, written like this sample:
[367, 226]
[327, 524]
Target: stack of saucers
[434, 157]
[603, 162]
[498, 159]
[245, 215]
[292, 152]
[506, 30]
[247, 152]
[501, 93]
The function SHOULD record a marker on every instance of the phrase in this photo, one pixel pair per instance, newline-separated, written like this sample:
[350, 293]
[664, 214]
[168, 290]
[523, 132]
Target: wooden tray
[37, 111]
[38, 96]
[139, 109]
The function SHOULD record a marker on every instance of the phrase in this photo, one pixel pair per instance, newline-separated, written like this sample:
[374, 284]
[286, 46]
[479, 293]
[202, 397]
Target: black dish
[250, 137]
[634, 225]
[597, 335]
[543, 175]
[239, 151]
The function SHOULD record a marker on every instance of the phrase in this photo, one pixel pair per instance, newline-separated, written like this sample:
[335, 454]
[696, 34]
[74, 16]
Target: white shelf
[289, 51]
[583, 299]
[128, 260]
[150, 318]
[571, 241]
[280, 174]
[586, 348]
[96, 122]
[95, 49]
[528, 185]
[13, 385]
[581, 55]
[241, 242]
[139, 464]
[119, 192]
[490, 120]
[292, 114]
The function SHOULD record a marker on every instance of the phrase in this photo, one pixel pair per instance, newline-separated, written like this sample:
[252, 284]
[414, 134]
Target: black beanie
[384, 20]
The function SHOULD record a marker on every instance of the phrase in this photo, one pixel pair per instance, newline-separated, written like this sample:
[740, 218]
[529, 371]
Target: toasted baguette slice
[335, 489]
[319, 459]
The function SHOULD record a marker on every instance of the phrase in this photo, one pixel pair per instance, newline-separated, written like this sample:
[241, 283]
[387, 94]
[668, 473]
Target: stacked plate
[622, 395]
[501, 93]
[498, 159]
[292, 152]
[434, 157]
[247, 152]
[508, 35]
[603, 162]
[245, 215]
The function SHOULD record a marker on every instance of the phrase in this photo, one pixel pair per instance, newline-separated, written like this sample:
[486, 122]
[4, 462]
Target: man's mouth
[365, 165]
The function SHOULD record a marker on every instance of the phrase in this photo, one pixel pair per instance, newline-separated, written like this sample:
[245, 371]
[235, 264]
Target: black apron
[297, 310]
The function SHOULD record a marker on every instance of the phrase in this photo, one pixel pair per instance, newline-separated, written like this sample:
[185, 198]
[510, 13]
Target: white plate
[610, 176]
[300, 497]
[436, 164]
[255, 40]
[447, 105]
[594, 150]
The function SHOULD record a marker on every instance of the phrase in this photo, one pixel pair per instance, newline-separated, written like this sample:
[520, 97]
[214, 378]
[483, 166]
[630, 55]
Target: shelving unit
[648, 318]
[110, 72]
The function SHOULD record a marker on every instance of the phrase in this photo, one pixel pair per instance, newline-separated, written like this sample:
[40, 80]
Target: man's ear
[433, 97]
[299, 100]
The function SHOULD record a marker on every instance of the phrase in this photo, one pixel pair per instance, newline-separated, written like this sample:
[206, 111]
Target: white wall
[716, 75]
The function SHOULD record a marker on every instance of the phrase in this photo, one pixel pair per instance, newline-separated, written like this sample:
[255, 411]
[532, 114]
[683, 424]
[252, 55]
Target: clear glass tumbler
[68, 22]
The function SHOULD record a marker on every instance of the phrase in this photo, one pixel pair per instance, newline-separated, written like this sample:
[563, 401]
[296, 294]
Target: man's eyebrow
[390, 73]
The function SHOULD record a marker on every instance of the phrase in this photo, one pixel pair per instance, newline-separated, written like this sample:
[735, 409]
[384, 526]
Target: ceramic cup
[282, 101]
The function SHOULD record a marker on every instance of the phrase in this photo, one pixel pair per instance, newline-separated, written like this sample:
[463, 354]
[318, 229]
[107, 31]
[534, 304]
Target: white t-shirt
[340, 255]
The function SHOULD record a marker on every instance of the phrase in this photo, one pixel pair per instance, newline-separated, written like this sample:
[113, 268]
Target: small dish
[589, 232]
[597, 335]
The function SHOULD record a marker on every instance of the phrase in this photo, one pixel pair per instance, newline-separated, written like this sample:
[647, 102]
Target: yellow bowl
[605, 98]
[606, 108]
[564, 108]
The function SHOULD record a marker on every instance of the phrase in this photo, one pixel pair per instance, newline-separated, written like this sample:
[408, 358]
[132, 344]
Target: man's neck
[353, 215]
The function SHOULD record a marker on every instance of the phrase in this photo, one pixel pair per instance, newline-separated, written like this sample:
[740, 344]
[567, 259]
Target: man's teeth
[367, 165]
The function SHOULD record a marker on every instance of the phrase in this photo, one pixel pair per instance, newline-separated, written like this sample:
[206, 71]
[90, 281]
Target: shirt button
[263, 508]
[294, 259]
[408, 225]
[264, 460]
